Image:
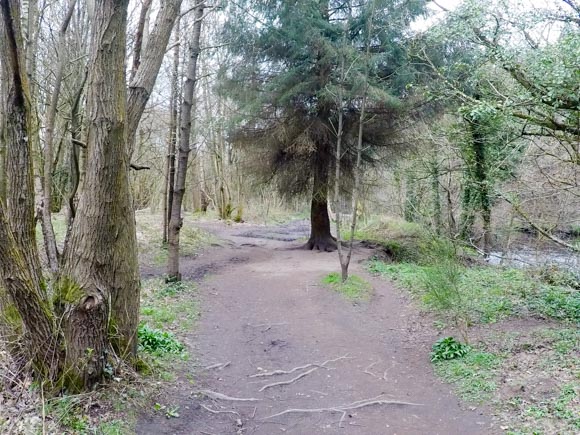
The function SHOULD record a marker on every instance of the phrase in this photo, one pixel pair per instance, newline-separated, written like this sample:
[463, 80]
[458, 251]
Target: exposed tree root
[343, 409]
[219, 366]
[323, 244]
[220, 396]
[291, 381]
[370, 366]
[295, 369]
[213, 411]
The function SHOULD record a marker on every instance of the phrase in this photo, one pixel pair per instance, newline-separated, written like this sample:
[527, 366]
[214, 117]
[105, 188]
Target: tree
[99, 267]
[285, 80]
[513, 83]
[187, 109]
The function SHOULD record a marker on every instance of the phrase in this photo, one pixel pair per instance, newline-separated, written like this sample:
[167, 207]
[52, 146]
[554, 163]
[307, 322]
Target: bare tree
[187, 108]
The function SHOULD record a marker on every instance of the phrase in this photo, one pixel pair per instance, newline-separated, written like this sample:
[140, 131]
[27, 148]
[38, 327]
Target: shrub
[448, 348]
[157, 341]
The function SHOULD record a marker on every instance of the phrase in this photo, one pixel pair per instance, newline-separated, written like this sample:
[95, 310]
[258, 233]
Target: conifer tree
[286, 76]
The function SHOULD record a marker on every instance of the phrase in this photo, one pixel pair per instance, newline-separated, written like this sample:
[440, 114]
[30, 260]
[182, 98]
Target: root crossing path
[277, 352]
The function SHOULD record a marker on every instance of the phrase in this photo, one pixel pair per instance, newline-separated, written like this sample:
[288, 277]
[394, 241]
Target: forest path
[263, 308]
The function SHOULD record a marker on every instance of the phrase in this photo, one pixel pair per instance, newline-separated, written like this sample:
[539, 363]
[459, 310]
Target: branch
[539, 229]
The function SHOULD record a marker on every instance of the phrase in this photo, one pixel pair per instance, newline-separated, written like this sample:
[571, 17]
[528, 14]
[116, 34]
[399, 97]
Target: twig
[43, 409]
[267, 325]
[342, 408]
[220, 366]
[291, 381]
[213, 411]
[220, 396]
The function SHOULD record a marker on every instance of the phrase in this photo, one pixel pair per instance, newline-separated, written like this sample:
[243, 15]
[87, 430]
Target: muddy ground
[355, 367]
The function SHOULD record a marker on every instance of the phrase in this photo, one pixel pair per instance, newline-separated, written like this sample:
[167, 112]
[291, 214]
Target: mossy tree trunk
[23, 304]
[99, 267]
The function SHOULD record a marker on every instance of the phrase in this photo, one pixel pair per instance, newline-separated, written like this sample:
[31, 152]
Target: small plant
[157, 341]
[172, 289]
[448, 348]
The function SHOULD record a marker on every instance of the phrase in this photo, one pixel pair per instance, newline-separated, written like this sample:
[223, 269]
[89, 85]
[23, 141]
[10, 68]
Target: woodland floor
[263, 308]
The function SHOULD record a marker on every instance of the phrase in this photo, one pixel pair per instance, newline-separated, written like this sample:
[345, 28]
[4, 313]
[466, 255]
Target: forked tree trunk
[100, 265]
[320, 237]
[150, 59]
[176, 221]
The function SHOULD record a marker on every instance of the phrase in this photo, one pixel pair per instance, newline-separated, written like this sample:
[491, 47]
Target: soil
[263, 308]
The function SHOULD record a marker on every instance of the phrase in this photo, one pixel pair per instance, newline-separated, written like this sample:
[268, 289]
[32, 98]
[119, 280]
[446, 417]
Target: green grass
[488, 294]
[528, 373]
[169, 305]
[113, 427]
[149, 237]
[354, 288]
[158, 342]
[474, 375]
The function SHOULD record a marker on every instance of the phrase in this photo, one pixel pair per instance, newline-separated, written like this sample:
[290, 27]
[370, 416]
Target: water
[526, 256]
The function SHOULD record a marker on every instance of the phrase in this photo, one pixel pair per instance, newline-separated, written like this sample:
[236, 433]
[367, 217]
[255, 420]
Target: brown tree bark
[19, 117]
[171, 138]
[125, 291]
[100, 268]
[176, 221]
[143, 17]
[23, 297]
[320, 237]
[141, 85]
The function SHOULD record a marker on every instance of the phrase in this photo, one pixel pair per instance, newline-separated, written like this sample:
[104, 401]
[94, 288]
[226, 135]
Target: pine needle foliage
[286, 79]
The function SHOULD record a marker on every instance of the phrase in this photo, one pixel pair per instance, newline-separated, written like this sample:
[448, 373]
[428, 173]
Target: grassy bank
[520, 325]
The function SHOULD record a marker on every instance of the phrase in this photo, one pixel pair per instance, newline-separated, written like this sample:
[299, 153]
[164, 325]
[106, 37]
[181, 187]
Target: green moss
[12, 316]
[66, 290]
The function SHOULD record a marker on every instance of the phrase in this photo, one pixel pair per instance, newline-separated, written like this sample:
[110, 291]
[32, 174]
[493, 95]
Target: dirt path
[263, 309]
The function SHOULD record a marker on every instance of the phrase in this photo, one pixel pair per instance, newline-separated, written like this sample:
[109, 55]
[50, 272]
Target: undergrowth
[484, 294]
[354, 288]
[530, 376]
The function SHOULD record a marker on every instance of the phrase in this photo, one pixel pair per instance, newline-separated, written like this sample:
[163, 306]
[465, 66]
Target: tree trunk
[176, 221]
[171, 138]
[47, 228]
[141, 85]
[19, 132]
[100, 264]
[436, 196]
[22, 295]
[320, 237]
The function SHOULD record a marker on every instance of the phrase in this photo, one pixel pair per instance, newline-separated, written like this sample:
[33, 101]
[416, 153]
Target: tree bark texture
[320, 237]
[23, 298]
[100, 268]
[176, 221]
[141, 85]
[171, 138]
[19, 121]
